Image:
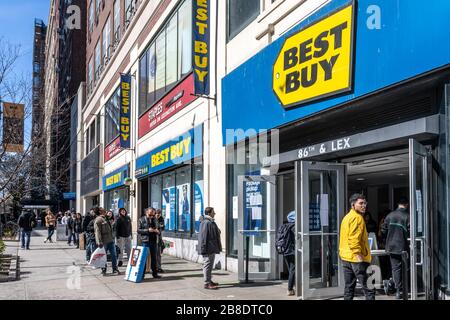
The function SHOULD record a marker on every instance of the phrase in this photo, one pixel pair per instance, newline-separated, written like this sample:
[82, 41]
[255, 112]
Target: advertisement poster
[253, 207]
[184, 211]
[136, 264]
[168, 207]
[198, 203]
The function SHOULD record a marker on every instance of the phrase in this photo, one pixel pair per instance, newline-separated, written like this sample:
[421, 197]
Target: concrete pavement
[50, 271]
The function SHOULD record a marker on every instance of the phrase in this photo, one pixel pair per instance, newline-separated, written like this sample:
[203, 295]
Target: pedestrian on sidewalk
[78, 228]
[286, 245]
[160, 242]
[148, 230]
[395, 230]
[70, 226]
[88, 228]
[104, 239]
[50, 223]
[209, 245]
[354, 248]
[123, 233]
[26, 222]
[64, 219]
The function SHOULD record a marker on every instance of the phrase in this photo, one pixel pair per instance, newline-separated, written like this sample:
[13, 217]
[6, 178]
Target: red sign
[178, 98]
[112, 149]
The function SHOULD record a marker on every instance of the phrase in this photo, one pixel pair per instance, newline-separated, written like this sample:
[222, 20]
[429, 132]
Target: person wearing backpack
[285, 245]
[26, 222]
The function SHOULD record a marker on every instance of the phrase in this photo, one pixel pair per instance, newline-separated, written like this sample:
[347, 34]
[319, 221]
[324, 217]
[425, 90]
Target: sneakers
[103, 271]
[45, 241]
[120, 263]
[398, 295]
[116, 272]
[160, 270]
[291, 293]
[157, 277]
[210, 286]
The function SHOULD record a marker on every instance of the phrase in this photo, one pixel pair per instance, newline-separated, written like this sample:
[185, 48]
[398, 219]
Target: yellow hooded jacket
[354, 238]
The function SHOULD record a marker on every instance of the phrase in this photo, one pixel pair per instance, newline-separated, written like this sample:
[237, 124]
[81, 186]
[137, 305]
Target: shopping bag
[98, 258]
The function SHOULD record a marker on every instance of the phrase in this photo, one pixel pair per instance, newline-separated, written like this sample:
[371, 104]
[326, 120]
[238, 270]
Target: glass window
[185, 38]
[151, 67]
[97, 60]
[240, 14]
[97, 131]
[155, 192]
[143, 83]
[171, 54]
[90, 74]
[160, 85]
[92, 136]
[183, 176]
[116, 20]
[112, 115]
[91, 17]
[86, 142]
[198, 195]
[116, 199]
[106, 39]
[168, 201]
[98, 6]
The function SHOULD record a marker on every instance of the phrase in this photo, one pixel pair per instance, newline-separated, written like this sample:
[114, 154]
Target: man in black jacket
[208, 245]
[123, 234]
[88, 229]
[26, 222]
[396, 231]
[148, 230]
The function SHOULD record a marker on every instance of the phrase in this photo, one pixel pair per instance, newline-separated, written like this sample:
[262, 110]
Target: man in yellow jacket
[354, 248]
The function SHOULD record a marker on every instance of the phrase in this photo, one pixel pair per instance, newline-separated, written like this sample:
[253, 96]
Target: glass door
[419, 221]
[320, 206]
[256, 228]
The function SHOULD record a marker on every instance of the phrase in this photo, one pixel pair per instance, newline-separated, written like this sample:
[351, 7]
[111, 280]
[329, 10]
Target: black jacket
[87, 218]
[77, 225]
[144, 224]
[90, 230]
[27, 221]
[209, 237]
[123, 226]
[291, 249]
[396, 231]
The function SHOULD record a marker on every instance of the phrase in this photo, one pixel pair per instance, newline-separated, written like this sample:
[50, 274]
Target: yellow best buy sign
[316, 62]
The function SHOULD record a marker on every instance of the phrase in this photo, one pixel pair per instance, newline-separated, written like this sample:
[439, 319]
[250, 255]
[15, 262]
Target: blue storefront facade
[355, 98]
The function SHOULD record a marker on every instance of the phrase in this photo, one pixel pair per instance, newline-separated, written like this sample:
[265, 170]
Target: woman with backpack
[285, 245]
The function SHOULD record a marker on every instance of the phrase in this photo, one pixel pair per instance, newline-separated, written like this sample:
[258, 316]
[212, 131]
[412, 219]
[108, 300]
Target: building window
[106, 41]
[97, 130]
[167, 60]
[198, 196]
[92, 143]
[98, 8]
[112, 115]
[90, 75]
[156, 192]
[183, 199]
[97, 60]
[168, 201]
[116, 22]
[116, 199]
[91, 17]
[240, 14]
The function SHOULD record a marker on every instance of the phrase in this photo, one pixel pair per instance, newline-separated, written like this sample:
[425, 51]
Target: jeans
[158, 256]
[111, 248]
[153, 247]
[124, 245]
[25, 235]
[90, 248]
[290, 261]
[353, 271]
[208, 261]
[396, 265]
[51, 231]
[71, 236]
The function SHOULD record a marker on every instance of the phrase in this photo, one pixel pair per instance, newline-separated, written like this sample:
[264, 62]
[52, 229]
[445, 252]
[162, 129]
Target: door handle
[421, 252]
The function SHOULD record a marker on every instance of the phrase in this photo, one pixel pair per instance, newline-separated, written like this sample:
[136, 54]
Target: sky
[17, 27]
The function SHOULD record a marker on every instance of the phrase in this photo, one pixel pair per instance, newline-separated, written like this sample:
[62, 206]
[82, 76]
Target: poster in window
[168, 207]
[184, 211]
[198, 203]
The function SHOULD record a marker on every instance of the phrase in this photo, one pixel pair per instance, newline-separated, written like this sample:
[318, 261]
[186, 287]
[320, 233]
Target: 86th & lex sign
[316, 62]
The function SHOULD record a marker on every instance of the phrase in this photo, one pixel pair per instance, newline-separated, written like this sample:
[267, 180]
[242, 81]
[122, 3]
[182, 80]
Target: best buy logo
[316, 62]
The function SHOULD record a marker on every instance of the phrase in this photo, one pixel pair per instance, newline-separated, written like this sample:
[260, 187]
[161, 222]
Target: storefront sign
[125, 114]
[200, 38]
[112, 149]
[316, 62]
[174, 152]
[115, 179]
[174, 101]
[326, 147]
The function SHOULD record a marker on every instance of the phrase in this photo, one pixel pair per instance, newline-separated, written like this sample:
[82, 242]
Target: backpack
[284, 238]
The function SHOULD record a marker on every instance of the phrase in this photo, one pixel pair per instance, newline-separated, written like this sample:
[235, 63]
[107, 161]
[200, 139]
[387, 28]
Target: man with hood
[289, 253]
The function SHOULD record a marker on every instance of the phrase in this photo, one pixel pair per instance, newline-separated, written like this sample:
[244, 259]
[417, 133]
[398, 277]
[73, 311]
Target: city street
[45, 274]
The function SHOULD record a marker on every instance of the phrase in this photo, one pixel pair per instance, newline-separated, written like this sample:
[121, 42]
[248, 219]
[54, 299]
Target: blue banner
[115, 179]
[200, 45]
[69, 196]
[125, 113]
[175, 152]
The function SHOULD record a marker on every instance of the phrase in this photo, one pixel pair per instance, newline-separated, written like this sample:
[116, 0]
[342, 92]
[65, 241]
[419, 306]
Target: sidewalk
[45, 273]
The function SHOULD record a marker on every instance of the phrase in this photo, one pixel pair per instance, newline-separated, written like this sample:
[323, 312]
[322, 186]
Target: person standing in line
[147, 229]
[104, 238]
[160, 242]
[354, 248]
[50, 223]
[209, 245]
[78, 228]
[395, 230]
[123, 234]
[26, 222]
[89, 229]
[70, 225]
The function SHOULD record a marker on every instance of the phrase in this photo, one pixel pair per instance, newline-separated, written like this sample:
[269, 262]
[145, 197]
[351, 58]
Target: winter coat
[354, 238]
[209, 237]
[87, 218]
[395, 229]
[90, 230]
[103, 231]
[144, 224]
[27, 221]
[123, 226]
[78, 226]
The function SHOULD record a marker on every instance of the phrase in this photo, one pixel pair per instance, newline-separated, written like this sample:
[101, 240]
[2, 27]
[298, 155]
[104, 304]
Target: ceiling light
[360, 179]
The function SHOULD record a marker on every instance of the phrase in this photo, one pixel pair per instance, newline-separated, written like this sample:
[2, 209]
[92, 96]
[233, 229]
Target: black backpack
[284, 238]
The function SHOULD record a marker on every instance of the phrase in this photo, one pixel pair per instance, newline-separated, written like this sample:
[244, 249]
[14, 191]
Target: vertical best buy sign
[316, 62]
[125, 102]
[200, 38]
